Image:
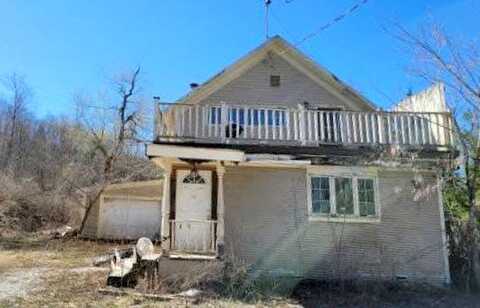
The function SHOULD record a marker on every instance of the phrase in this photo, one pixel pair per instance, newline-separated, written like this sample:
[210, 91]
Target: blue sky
[63, 47]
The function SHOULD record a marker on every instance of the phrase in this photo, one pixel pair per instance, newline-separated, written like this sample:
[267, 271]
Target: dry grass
[62, 287]
[68, 280]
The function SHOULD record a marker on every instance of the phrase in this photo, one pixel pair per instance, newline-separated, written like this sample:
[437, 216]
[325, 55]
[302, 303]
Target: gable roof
[293, 56]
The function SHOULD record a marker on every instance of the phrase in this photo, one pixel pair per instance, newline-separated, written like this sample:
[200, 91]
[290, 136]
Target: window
[344, 196]
[251, 116]
[274, 80]
[321, 195]
[193, 178]
[366, 197]
[215, 115]
[340, 197]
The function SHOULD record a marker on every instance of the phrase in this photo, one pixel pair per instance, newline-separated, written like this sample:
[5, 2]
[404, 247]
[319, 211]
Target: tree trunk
[90, 203]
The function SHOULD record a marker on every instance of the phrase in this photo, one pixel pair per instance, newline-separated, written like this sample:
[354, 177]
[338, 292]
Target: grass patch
[230, 286]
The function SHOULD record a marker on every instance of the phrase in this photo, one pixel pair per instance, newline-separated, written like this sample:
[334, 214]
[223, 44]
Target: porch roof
[190, 152]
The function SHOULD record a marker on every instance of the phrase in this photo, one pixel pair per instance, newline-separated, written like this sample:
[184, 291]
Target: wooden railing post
[220, 210]
[381, 129]
[223, 119]
[165, 222]
[157, 120]
[302, 124]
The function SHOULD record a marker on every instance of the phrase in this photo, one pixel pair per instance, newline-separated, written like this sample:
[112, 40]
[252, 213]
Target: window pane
[215, 113]
[241, 116]
[259, 117]
[366, 197]
[344, 196]
[320, 195]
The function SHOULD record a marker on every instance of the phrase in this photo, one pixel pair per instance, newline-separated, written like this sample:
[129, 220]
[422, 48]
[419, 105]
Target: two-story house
[277, 162]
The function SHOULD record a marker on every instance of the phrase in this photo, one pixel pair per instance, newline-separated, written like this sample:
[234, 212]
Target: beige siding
[260, 211]
[266, 223]
[253, 87]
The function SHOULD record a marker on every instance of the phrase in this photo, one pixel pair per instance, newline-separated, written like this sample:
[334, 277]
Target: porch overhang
[189, 152]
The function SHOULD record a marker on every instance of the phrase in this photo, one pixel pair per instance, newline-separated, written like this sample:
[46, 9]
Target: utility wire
[335, 20]
[285, 29]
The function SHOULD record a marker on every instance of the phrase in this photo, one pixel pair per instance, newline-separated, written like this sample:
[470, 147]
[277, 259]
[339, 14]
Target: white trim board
[132, 184]
[178, 151]
[131, 197]
[276, 163]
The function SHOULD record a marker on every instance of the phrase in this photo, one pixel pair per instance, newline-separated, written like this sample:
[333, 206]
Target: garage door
[130, 219]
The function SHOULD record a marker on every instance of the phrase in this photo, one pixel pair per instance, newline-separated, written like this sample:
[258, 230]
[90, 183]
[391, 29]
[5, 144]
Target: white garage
[130, 218]
[130, 211]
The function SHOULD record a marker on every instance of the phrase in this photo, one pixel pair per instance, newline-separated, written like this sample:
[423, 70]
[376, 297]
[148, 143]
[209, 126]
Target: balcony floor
[326, 149]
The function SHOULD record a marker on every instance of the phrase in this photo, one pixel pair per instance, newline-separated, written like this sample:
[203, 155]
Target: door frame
[173, 201]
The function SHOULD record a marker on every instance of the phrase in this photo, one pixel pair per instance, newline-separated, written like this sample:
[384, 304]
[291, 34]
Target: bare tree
[440, 57]
[15, 99]
[113, 126]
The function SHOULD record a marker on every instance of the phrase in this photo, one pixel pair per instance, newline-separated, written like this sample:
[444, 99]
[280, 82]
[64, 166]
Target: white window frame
[354, 173]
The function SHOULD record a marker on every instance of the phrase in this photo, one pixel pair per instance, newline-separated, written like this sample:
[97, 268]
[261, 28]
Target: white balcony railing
[248, 124]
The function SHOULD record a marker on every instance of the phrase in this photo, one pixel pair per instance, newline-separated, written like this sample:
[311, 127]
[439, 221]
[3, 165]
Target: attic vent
[274, 80]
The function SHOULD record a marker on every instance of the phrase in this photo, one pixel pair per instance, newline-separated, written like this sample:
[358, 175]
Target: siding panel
[254, 87]
[266, 223]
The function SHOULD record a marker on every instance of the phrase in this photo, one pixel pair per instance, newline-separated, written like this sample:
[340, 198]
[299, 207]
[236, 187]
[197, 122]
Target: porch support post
[220, 210]
[165, 223]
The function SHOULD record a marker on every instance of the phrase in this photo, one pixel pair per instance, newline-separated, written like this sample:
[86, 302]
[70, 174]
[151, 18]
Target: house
[278, 163]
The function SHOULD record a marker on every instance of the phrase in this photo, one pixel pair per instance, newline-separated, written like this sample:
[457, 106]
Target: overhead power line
[333, 21]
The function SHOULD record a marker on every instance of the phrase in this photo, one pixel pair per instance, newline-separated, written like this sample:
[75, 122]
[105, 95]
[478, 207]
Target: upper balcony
[226, 124]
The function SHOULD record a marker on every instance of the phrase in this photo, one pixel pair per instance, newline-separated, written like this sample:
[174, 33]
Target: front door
[193, 207]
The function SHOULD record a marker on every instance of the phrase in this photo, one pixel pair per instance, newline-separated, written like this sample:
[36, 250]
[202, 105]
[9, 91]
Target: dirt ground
[36, 272]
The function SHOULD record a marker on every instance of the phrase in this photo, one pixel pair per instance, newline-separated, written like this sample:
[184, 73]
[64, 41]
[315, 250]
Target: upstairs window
[250, 116]
[341, 197]
[274, 80]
